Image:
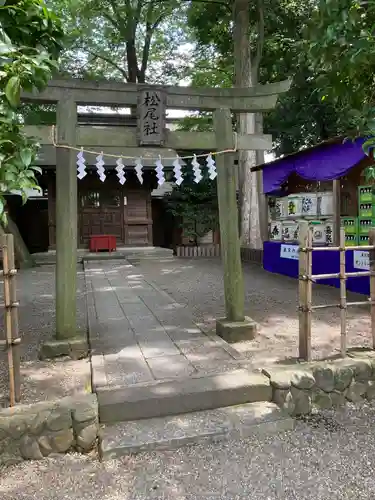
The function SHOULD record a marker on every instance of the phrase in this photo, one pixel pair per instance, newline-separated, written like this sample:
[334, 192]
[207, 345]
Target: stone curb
[179, 396]
[323, 384]
[38, 430]
[209, 426]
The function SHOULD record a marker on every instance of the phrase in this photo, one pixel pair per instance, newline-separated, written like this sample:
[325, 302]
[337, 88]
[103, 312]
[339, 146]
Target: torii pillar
[235, 326]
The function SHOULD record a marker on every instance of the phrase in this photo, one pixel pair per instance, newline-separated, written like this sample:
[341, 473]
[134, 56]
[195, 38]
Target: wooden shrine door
[100, 210]
[138, 217]
[109, 208]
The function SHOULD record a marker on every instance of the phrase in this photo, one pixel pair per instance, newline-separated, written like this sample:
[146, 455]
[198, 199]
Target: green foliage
[34, 113]
[301, 118]
[341, 47]
[194, 205]
[134, 41]
[29, 43]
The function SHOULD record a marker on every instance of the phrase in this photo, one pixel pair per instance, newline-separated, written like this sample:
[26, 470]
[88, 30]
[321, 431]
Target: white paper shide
[100, 167]
[81, 170]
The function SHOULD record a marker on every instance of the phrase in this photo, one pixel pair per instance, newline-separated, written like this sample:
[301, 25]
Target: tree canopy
[341, 48]
[130, 41]
[327, 48]
[302, 117]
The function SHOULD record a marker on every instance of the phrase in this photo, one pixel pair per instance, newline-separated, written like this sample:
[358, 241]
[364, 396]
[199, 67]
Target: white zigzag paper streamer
[100, 167]
[120, 171]
[81, 170]
[196, 170]
[159, 171]
[139, 169]
[177, 171]
[211, 167]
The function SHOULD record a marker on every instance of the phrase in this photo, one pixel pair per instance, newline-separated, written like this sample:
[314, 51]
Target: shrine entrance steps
[133, 253]
[160, 380]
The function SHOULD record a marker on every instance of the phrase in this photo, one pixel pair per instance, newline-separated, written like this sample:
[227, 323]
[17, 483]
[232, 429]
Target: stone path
[270, 300]
[139, 334]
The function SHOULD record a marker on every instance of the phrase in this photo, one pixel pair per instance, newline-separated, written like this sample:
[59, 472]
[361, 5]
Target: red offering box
[103, 242]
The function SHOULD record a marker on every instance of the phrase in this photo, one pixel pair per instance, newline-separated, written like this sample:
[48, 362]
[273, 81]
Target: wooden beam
[66, 221]
[98, 136]
[259, 98]
[228, 216]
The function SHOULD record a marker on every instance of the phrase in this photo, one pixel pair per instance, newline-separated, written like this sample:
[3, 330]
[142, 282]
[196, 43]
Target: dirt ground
[43, 380]
[329, 458]
[270, 299]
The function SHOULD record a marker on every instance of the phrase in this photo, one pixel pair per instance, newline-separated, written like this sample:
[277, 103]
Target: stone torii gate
[70, 93]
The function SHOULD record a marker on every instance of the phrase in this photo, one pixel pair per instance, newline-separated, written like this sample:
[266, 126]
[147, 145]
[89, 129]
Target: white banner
[361, 260]
[289, 252]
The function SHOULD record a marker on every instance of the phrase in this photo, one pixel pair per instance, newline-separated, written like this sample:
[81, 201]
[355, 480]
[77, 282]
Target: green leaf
[13, 90]
[10, 176]
[24, 197]
[368, 145]
[26, 156]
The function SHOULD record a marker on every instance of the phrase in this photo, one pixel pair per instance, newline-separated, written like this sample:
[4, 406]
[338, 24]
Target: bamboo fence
[12, 341]
[307, 278]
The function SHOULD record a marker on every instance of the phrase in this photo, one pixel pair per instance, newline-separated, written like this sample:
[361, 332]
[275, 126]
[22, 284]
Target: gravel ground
[42, 380]
[329, 458]
[271, 300]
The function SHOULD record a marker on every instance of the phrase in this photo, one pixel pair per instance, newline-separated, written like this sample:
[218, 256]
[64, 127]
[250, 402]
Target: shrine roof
[326, 161]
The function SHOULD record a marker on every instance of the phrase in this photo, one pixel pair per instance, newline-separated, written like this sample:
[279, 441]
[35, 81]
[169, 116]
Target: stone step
[168, 433]
[120, 254]
[173, 397]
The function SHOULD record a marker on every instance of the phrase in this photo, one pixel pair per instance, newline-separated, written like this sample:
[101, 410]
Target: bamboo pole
[356, 274]
[15, 327]
[331, 249]
[303, 349]
[7, 240]
[360, 303]
[324, 306]
[317, 277]
[326, 249]
[309, 292]
[372, 283]
[343, 307]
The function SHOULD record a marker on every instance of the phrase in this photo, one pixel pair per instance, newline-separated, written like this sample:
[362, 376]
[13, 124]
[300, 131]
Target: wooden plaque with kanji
[151, 117]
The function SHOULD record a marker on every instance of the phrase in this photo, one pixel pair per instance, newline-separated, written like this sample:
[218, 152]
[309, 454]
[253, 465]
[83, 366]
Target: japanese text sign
[151, 117]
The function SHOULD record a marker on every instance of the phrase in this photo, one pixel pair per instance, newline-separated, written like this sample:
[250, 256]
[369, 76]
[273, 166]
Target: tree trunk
[244, 77]
[262, 199]
[21, 251]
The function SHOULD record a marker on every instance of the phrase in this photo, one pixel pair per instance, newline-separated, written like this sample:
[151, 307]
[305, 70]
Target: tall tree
[133, 41]
[246, 73]
[341, 43]
[263, 36]
[228, 31]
